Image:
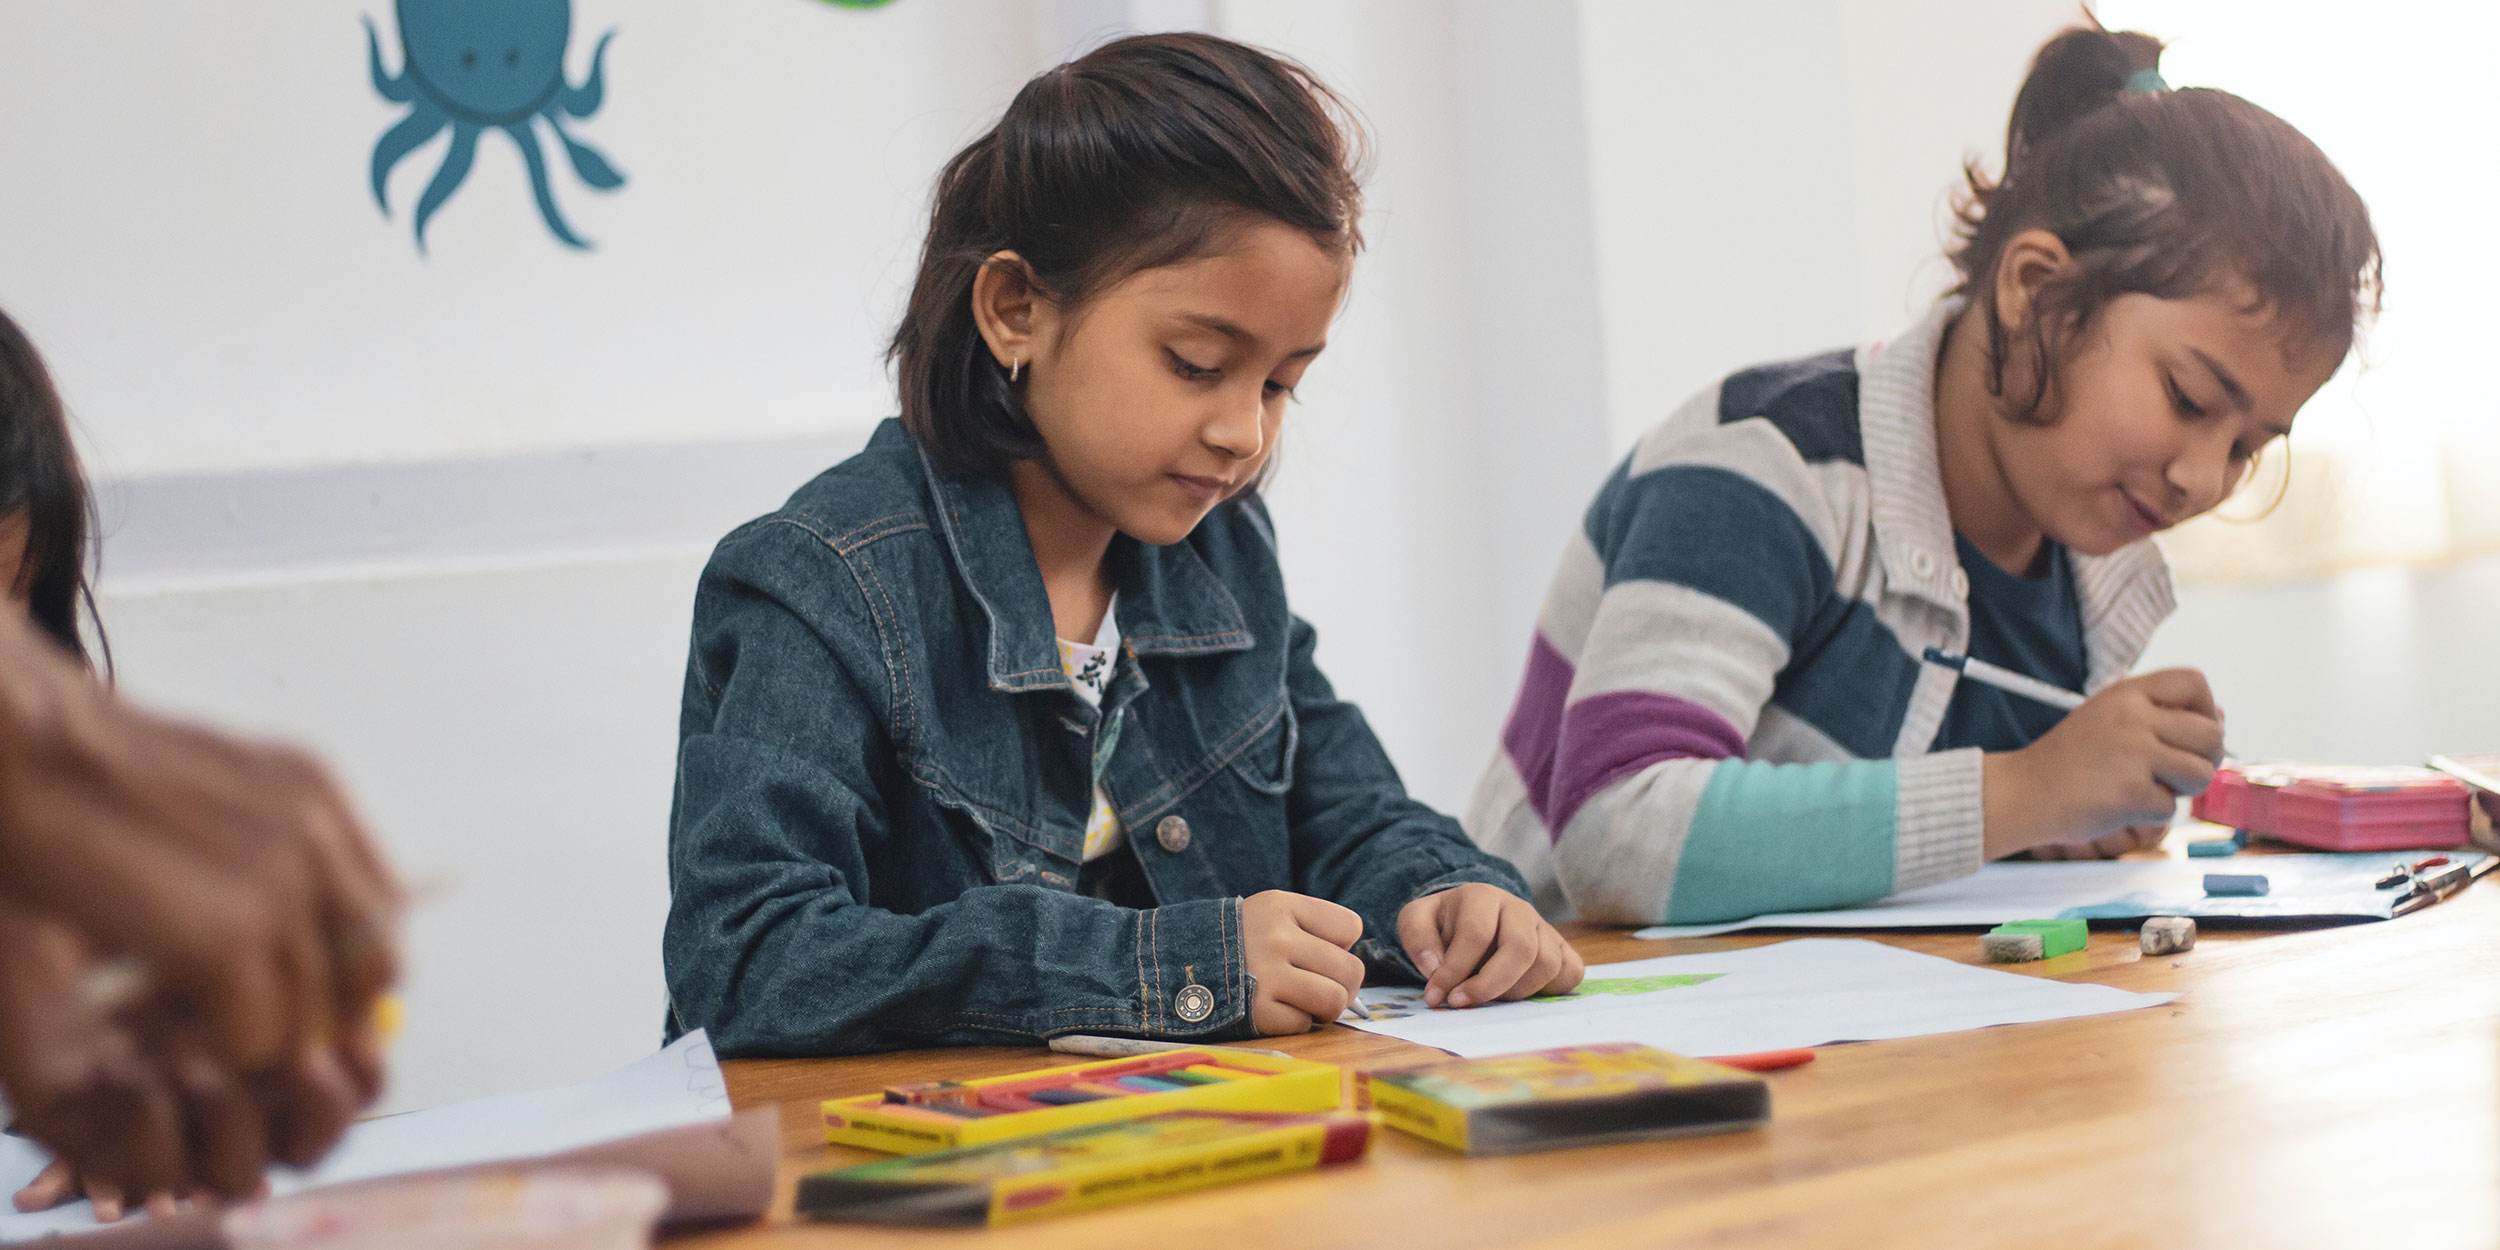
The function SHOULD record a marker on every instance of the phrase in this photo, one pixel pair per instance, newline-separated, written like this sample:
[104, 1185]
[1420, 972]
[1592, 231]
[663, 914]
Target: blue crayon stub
[2212, 848]
[2246, 885]
[2239, 838]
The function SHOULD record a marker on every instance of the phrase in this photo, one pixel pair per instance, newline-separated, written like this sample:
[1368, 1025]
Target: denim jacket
[883, 780]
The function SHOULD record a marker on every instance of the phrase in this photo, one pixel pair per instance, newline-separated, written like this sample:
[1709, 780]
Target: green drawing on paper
[1629, 985]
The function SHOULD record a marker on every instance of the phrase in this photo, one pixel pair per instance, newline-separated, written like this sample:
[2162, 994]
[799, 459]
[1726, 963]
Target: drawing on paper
[1397, 1003]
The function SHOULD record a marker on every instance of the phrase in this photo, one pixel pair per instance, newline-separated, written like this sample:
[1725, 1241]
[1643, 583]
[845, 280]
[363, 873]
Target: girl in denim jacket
[1003, 728]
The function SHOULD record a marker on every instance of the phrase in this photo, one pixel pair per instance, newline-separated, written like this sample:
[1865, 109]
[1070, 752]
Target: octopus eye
[511, 56]
[468, 58]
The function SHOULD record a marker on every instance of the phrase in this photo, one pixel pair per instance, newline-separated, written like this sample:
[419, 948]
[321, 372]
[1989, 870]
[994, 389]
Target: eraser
[2057, 937]
[2212, 847]
[2233, 883]
[2167, 935]
[2010, 948]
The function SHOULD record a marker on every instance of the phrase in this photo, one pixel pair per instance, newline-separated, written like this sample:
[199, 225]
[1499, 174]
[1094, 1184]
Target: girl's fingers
[163, 1206]
[1419, 931]
[1541, 970]
[51, 1187]
[1514, 948]
[1316, 996]
[107, 1200]
[1470, 923]
[1321, 956]
[2183, 773]
[2190, 732]
[1574, 968]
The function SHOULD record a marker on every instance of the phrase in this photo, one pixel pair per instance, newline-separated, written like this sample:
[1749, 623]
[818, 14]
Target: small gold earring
[1016, 370]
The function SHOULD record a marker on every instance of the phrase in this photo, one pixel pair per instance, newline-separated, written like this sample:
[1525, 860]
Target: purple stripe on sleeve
[1535, 724]
[1609, 736]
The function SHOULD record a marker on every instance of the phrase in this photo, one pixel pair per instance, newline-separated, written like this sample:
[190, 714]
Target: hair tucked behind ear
[1142, 153]
[2159, 192]
[40, 479]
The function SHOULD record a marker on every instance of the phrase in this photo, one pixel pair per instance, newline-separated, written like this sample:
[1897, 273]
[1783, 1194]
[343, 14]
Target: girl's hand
[57, 1184]
[1301, 952]
[2123, 758]
[1481, 943]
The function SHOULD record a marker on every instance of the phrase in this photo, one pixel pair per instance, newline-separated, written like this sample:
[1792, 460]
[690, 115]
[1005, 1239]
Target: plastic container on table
[555, 1209]
[2340, 808]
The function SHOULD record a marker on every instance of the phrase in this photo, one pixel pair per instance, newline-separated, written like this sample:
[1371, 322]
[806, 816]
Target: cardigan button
[1923, 564]
[1172, 834]
[1961, 583]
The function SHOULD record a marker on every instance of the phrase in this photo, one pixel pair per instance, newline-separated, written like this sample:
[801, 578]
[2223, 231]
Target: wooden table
[2336, 1087]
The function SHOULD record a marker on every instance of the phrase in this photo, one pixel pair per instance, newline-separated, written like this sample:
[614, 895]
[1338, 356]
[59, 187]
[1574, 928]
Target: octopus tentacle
[396, 89]
[582, 101]
[527, 137]
[593, 168]
[447, 179]
[397, 142]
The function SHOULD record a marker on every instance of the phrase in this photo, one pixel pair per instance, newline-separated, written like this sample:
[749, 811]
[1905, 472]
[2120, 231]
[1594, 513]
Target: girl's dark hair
[1144, 152]
[40, 478]
[2165, 193]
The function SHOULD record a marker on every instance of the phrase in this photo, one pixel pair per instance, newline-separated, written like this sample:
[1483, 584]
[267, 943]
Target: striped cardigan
[1725, 711]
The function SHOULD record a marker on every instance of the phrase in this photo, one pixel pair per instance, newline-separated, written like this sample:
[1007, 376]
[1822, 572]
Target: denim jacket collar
[1170, 602]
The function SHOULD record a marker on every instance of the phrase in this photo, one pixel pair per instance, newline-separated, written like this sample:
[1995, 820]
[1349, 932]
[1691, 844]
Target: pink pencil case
[2336, 808]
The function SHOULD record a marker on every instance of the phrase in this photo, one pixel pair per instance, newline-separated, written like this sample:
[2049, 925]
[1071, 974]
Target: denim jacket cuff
[1193, 970]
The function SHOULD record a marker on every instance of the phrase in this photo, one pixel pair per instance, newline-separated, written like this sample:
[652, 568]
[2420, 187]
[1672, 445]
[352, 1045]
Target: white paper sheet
[668, 1113]
[2298, 886]
[1803, 993]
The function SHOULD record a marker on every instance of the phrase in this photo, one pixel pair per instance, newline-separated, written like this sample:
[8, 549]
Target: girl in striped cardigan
[1729, 706]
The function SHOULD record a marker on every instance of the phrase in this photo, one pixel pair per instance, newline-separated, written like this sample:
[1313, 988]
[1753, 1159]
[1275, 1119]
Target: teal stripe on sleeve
[1786, 837]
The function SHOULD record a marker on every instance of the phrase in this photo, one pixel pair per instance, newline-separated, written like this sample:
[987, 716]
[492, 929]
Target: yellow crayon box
[943, 1115]
[1081, 1168]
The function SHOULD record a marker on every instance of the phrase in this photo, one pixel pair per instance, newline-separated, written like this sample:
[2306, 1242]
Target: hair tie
[2145, 80]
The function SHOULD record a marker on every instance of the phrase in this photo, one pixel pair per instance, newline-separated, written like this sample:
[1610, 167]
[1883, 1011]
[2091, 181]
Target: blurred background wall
[439, 514]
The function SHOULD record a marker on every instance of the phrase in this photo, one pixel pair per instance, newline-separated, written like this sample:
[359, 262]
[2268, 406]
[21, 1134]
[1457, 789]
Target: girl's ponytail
[2076, 74]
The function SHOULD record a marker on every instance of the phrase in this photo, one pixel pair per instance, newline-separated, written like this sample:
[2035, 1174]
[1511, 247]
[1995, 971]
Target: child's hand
[2123, 758]
[57, 1184]
[1302, 956]
[1481, 943]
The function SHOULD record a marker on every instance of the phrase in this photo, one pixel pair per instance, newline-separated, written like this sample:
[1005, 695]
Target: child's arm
[1709, 580]
[1357, 837]
[770, 942]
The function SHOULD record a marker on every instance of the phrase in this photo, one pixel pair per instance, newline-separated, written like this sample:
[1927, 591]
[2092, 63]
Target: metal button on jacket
[1172, 834]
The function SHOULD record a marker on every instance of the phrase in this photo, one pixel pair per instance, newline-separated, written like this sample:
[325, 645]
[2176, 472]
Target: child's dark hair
[1144, 152]
[40, 479]
[2166, 193]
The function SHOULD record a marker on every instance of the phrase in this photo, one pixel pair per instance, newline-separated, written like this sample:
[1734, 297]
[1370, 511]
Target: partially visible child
[47, 523]
[47, 520]
[1730, 708]
[1003, 728]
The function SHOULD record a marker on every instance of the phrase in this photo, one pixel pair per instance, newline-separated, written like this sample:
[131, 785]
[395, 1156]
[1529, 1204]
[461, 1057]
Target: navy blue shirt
[2032, 625]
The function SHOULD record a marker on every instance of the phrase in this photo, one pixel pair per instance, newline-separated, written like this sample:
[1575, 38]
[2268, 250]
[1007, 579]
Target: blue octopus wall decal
[475, 65]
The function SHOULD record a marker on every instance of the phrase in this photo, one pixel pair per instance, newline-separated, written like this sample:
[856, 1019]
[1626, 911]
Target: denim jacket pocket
[1017, 853]
[1266, 765]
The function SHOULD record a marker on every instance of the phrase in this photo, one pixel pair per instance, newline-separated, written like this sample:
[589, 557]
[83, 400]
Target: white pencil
[2007, 680]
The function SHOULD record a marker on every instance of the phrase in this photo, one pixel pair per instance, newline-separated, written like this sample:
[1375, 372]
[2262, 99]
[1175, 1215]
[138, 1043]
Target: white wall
[1771, 180]
[218, 289]
[441, 517]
